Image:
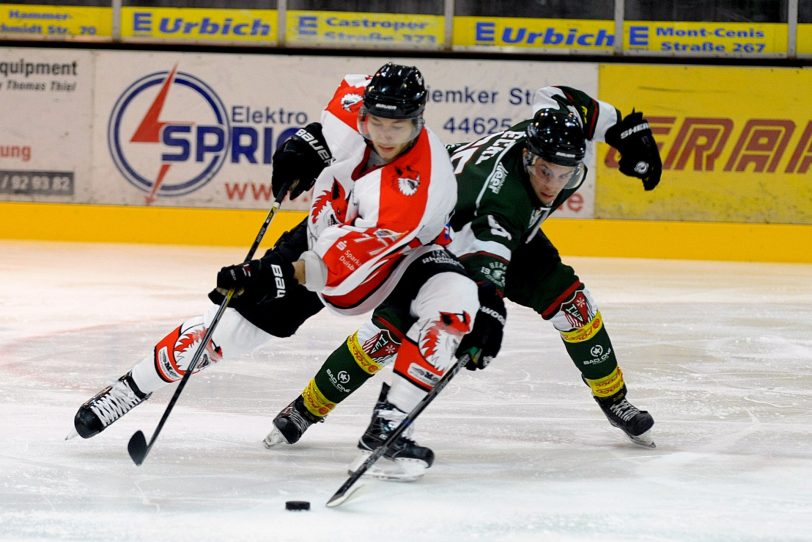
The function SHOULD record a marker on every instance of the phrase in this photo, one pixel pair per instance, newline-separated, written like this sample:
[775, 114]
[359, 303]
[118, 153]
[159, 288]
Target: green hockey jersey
[497, 210]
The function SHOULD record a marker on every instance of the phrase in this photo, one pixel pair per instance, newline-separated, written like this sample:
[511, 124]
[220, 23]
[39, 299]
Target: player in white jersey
[372, 240]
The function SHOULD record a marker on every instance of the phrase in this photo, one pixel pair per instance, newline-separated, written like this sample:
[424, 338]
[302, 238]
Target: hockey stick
[346, 490]
[137, 446]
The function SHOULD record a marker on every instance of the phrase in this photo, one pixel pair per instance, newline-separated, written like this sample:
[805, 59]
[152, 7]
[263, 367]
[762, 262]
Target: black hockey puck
[297, 505]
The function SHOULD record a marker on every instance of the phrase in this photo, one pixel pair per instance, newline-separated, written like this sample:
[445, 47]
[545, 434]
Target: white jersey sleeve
[594, 115]
[339, 118]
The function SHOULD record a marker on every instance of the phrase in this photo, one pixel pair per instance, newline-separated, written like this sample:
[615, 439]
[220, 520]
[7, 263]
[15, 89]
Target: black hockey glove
[639, 155]
[270, 276]
[488, 328]
[299, 160]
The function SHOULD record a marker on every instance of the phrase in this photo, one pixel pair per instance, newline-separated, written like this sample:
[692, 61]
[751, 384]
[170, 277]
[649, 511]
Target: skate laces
[403, 441]
[299, 419]
[115, 403]
[389, 417]
[386, 421]
[624, 410]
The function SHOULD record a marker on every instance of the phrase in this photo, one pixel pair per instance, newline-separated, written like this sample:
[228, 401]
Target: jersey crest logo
[331, 204]
[348, 101]
[407, 186]
[408, 181]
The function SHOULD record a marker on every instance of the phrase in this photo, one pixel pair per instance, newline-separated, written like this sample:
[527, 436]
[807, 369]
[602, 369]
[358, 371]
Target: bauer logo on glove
[299, 161]
[279, 280]
[270, 276]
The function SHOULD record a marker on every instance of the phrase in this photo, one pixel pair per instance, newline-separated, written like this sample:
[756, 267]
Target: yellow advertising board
[369, 29]
[705, 38]
[200, 24]
[585, 35]
[23, 21]
[736, 144]
[804, 42]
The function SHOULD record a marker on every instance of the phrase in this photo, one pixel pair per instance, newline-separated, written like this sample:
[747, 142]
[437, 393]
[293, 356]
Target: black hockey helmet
[557, 137]
[396, 92]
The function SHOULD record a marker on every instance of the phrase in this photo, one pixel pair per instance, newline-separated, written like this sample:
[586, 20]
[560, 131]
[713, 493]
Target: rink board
[573, 237]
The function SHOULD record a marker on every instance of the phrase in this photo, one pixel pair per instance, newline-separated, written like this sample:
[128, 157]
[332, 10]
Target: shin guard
[576, 317]
[349, 366]
[174, 353]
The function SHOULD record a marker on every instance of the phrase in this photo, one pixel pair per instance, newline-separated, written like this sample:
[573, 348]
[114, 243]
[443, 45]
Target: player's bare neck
[374, 161]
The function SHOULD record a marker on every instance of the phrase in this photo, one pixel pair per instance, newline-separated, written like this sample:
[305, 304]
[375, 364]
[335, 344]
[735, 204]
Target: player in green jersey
[508, 184]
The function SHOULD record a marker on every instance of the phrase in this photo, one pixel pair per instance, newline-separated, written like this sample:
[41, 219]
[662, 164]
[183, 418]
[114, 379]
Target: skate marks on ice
[523, 453]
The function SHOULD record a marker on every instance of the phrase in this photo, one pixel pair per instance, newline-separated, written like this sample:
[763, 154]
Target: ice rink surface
[719, 353]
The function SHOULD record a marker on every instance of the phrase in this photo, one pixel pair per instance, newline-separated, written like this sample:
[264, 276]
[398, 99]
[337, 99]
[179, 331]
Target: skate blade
[73, 434]
[274, 439]
[643, 439]
[398, 470]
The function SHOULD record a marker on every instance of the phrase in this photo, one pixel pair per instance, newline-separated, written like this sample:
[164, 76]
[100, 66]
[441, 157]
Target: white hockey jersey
[366, 226]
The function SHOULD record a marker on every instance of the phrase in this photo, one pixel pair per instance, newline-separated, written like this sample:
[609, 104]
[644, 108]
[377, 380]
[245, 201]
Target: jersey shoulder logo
[348, 101]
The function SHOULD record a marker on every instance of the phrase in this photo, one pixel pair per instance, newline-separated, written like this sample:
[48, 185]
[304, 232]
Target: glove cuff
[315, 271]
[612, 136]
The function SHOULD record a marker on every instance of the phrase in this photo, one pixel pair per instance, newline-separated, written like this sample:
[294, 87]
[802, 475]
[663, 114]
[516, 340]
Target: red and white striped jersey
[366, 225]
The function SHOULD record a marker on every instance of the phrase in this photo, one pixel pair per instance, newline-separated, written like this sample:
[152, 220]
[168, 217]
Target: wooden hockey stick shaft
[138, 447]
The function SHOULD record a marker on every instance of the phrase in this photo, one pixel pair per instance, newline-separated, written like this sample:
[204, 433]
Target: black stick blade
[137, 447]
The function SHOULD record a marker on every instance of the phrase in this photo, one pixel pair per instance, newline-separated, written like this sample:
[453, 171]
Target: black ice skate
[628, 418]
[405, 460]
[290, 424]
[107, 406]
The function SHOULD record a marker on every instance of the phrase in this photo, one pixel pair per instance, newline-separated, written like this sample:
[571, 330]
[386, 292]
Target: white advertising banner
[199, 130]
[45, 125]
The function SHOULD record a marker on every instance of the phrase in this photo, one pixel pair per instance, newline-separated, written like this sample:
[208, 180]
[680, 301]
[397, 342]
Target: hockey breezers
[137, 446]
[347, 489]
